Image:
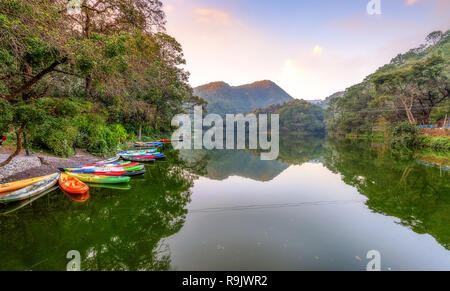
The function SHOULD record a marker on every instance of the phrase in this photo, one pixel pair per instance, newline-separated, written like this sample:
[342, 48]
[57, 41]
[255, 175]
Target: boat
[19, 205]
[105, 165]
[72, 185]
[95, 170]
[141, 154]
[138, 151]
[123, 174]
[148, 144]
[100, 179]
[141, 160]
[13, 186]
[156, 157]
[32, 190]
[126, 164]
[111, 160]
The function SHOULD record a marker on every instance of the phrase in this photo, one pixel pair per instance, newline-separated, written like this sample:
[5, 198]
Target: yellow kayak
[8, 187]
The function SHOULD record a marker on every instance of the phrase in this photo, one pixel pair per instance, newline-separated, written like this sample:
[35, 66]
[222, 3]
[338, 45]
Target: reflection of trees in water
[297, 151]
[115, 230]
[419, 196]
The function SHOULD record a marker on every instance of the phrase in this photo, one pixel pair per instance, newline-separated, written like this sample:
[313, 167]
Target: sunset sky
[310, 48]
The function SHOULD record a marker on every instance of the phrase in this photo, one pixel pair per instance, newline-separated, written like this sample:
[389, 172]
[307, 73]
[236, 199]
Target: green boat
[100, 179]
[140, 154]
[99, 169]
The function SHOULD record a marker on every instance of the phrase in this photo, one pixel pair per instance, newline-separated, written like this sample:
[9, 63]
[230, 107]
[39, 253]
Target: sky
[310, 48]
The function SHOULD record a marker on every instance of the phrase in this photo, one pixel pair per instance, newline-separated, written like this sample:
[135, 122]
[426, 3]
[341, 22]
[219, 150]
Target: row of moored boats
[116, 170]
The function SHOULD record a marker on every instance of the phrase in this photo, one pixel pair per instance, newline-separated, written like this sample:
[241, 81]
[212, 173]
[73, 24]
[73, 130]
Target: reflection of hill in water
[418, 195]
[244, 164]
[222, 164]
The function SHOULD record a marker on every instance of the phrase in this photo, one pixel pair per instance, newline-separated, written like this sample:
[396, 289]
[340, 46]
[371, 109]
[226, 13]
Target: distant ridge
[223, 98]
[324, 103]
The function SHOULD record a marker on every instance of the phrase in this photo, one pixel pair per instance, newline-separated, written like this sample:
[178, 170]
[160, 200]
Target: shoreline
[39, 164]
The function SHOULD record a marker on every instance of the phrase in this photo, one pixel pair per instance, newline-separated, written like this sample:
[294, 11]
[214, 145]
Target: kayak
[159, 156]
[105, 165]
[121, 174]
[19, 205]
[149, 144]
[32, 190]
[111, 160]
[95, 170]
[100, 179]
[110, 166]
[13, 186]
[142, 160]
[72, 185]
[142, 154]
[138, 151]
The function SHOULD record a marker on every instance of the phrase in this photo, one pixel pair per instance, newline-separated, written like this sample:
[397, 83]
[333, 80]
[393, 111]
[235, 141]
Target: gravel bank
[39, 164]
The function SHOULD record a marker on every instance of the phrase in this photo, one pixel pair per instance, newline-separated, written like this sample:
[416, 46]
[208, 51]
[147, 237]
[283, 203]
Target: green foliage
[414, 86]
[298, 117]
[439, 144]
[404, 139]
[121, 72]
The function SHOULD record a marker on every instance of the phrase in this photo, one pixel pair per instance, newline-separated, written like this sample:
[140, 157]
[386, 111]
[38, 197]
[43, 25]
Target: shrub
[404, 136]
[440, 143]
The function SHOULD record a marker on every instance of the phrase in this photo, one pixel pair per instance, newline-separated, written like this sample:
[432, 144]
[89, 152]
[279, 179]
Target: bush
[404, 137]
[440, 144]
[97, 137]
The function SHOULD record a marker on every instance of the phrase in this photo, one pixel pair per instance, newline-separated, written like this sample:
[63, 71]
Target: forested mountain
[324, 103]
[225, 99]
[414, 87]
[298, 117]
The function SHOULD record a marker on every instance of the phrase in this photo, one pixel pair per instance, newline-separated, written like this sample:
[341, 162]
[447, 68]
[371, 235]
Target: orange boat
[72, 185]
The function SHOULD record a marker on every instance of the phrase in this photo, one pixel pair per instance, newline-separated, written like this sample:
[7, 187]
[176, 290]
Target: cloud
[317, 51]
[212, 16]
[168, 8]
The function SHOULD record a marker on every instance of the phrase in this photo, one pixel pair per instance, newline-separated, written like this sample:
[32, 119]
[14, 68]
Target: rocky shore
[38, 164]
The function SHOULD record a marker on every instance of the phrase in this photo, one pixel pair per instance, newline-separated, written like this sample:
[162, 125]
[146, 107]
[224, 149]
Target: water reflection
[114, 230]
[320, 205]
[418, 195]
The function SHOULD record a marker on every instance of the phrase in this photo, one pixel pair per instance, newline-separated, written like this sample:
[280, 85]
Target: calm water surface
[321, 206]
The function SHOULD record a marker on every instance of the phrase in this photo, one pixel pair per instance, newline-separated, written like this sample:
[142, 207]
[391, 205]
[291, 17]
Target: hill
[298, 117]
[225, 99]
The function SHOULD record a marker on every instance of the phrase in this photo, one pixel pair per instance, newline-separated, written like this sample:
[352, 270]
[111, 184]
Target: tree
[434, 37]
[105, 17]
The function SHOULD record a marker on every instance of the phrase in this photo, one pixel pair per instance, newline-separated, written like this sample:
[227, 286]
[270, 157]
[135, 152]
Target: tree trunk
[18, 147]
[140, 132]
[409, 113]
[88, 84]
[27, 86]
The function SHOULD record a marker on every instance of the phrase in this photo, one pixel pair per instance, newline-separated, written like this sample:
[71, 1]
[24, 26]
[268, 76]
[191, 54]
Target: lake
[323, 205]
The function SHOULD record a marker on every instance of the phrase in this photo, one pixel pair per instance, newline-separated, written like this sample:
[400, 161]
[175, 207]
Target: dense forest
[88, 76]
[413, 87]
[298, 117]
